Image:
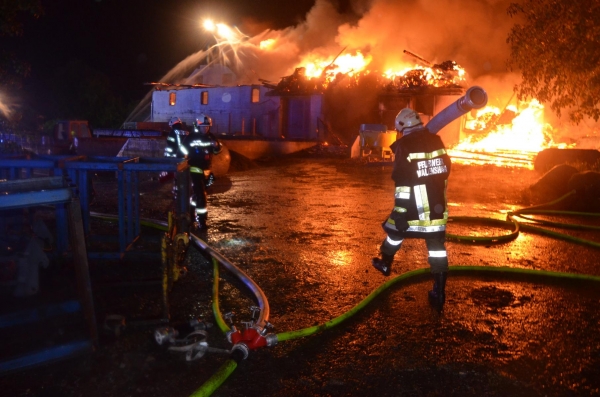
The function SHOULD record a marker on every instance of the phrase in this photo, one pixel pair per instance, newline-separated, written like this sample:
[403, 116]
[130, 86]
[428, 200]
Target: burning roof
[447, 74]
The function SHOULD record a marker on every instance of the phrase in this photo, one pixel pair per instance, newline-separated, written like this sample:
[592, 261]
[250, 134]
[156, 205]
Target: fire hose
[530, 225]
[255, 336]
[230, 365]
[198, 347]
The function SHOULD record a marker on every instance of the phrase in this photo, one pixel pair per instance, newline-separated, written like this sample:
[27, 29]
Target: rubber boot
[384, 265]
[437, 296]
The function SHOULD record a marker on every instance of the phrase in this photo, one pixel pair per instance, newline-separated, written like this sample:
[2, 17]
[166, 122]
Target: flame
[448, 73]
[267, 44]
[443, 75]
[348, 64]
[510, 137]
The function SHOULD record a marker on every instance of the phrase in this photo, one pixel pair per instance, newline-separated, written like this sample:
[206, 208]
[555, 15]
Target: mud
[305, 229]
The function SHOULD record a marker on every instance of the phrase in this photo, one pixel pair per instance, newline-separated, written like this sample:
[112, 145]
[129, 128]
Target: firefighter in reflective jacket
[172, 149]
[420, 174]
[175, 138]
[199, 148]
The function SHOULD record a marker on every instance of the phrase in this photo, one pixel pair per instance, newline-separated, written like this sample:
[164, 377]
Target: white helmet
[202, 121]
[174, 120]
[407, 118]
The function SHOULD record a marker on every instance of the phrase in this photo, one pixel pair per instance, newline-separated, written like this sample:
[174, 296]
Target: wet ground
[305, 229]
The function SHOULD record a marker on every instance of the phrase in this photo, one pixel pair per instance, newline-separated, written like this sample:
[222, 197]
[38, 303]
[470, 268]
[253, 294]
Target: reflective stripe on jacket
[421, 170]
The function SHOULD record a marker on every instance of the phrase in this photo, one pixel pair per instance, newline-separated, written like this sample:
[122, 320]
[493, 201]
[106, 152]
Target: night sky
[134, 42]
[137, 41]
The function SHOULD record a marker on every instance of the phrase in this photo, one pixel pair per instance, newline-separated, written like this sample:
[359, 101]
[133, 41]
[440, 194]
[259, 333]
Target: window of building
[172, 98]
[255, 95]
[204, 98]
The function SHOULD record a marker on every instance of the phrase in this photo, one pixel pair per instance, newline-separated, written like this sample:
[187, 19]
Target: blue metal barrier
[47, 355]
[78, 168]
[55, 191]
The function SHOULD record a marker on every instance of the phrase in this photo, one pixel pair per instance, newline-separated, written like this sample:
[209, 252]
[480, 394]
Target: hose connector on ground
[240, 352]
[233, 331]
[271, 339]
[252, 337]
[165, 335]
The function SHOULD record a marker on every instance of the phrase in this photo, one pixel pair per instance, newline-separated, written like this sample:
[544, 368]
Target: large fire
[325, 70]
[347, 64]
[510, 136]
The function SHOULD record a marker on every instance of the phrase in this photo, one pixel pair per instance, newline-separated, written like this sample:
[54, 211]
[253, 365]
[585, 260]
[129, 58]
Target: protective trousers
[198, 201]
[437, 259]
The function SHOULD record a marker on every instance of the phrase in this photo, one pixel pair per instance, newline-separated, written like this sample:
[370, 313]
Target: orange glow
[510, 137]
[225, 31]
[455, 75]
[346, 64]
[4, 107]
[224, 34]
[209, 25]
[267, 44]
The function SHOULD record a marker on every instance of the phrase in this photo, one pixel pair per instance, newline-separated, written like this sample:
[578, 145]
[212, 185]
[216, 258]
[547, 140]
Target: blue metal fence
[79, 170]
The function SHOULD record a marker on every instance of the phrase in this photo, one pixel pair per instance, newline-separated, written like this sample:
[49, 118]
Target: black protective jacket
[421, 170]
[200, 148]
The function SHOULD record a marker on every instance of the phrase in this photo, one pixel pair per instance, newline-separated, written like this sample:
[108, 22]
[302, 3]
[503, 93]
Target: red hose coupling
[235, 337]
[253, 339]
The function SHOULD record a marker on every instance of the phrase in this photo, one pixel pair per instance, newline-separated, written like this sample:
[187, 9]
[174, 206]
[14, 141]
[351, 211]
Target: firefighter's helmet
[407, 118]
[174, 120]
[202, 121]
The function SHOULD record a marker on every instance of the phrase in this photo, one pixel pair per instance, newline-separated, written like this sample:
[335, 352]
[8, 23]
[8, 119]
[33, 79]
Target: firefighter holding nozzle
[420, 173]
[199, 148]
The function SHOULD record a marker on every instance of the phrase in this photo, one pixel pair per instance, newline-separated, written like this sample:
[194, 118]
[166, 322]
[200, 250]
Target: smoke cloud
[474, 36]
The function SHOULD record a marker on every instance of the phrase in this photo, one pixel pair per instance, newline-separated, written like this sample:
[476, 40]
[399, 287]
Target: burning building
[242, 110]
[301, 106]
[341, 71]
